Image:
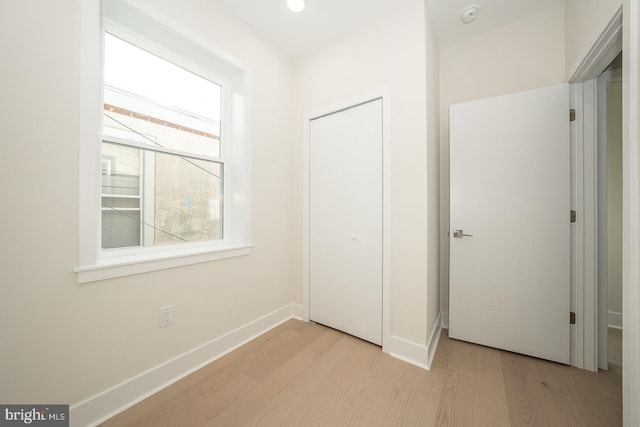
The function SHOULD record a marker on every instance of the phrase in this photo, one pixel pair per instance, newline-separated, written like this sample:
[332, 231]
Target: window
[161, 140]
[166, 183]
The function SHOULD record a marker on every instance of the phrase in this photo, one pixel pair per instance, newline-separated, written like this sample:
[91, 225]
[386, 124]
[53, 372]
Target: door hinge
[572, 115]
[572, 318]
[573, 216]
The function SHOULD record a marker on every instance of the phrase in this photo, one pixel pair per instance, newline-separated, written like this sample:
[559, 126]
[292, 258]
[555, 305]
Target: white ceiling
[297, 34]
[321, 21]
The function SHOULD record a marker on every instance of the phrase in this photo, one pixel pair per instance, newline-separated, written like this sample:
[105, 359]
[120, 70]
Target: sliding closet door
[345, 224]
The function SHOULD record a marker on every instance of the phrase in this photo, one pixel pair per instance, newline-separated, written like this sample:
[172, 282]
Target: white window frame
[135, 20]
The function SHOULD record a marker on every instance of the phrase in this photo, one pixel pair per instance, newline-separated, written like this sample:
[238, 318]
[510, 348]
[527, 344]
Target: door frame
[383, 94]
[584, 273]
[627, 37]
[631, 213]
[603, 80]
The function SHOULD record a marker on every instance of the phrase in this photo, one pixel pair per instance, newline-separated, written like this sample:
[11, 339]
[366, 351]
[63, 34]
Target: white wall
[584, 22]
[614, 196]
[433, 175]
[390, 52]
[63, 342]
[526, 54]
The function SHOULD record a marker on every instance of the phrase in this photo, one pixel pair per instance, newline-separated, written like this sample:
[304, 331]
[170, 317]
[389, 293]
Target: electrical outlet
[166, 316]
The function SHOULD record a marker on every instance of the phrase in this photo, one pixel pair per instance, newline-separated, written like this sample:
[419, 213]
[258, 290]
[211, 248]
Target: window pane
[151, 198]
[188, 199]
[120, 229]
[151, 100]
[120, 196]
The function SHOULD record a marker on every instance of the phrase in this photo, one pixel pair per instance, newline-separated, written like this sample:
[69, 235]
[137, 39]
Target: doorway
[609, 177]
[345, 223]
[346, 269]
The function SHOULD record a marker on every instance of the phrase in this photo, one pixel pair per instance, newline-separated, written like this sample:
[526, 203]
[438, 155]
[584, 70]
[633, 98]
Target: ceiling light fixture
[295, 5]
[470, 13]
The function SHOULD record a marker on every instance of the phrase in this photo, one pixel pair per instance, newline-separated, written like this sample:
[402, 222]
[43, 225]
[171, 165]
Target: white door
[510, 170]
[345, 224]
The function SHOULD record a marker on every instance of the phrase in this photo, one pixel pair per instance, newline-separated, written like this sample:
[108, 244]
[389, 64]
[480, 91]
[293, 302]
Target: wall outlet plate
[166, 315]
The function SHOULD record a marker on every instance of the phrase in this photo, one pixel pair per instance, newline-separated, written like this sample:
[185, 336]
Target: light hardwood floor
[303, 374]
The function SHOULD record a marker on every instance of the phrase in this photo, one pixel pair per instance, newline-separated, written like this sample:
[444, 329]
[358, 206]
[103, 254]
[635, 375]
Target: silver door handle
[459, 234]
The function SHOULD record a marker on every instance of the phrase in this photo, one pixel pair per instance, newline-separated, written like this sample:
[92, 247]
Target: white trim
[124, 395]
[386, 215]
[631, 214]
[584, 268]
[614, 320]
[444, 315]
[602, 240]
[601, 226]
[119, 267]
[577, 245]
[89, 131]
[233, 64]
[384, 94]
[410, 352]
[604, 50]
[434, 340]
[96, 264]
[589, 225]
[583, 232]
[158, 149]
[306, 211]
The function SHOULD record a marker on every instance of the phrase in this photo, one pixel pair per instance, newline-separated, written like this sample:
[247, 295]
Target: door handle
[459, 234]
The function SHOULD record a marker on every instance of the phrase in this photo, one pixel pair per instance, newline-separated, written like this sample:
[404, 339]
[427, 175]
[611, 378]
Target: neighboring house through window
[174, 153]
[161, 138]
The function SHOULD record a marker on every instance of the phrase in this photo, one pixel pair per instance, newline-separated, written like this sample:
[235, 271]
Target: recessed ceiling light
[295, 5]
[469, 13]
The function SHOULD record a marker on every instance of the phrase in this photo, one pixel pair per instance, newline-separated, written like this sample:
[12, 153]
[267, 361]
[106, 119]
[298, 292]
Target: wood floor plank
[302, 374]
[454, 407]
[358, 393]
[422, 407]
[591, 402]
[209, 380]
[260, 370]
[195, 411]
[382, 411]
[491, 405]
[329, 337]
[328, 393]
[420, 410]
[547, 393]
[259, 396]
[466, 402]
[397, 379]
[479, 368]
[297, 391]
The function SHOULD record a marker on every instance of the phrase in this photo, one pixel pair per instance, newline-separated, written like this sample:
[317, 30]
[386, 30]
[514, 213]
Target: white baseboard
[116, 399]
[417, 354]
[409, 352]
[444, 315]
[432, 344]
[615, 320]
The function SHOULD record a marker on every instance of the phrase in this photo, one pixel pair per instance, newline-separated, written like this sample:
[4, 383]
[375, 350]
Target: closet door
[345, 224]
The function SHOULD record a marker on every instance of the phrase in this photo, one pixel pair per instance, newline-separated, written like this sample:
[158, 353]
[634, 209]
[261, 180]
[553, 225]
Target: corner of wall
[107, 404]
[417, 354]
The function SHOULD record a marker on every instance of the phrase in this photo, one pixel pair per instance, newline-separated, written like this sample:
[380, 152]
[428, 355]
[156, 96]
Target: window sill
[127, 266]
